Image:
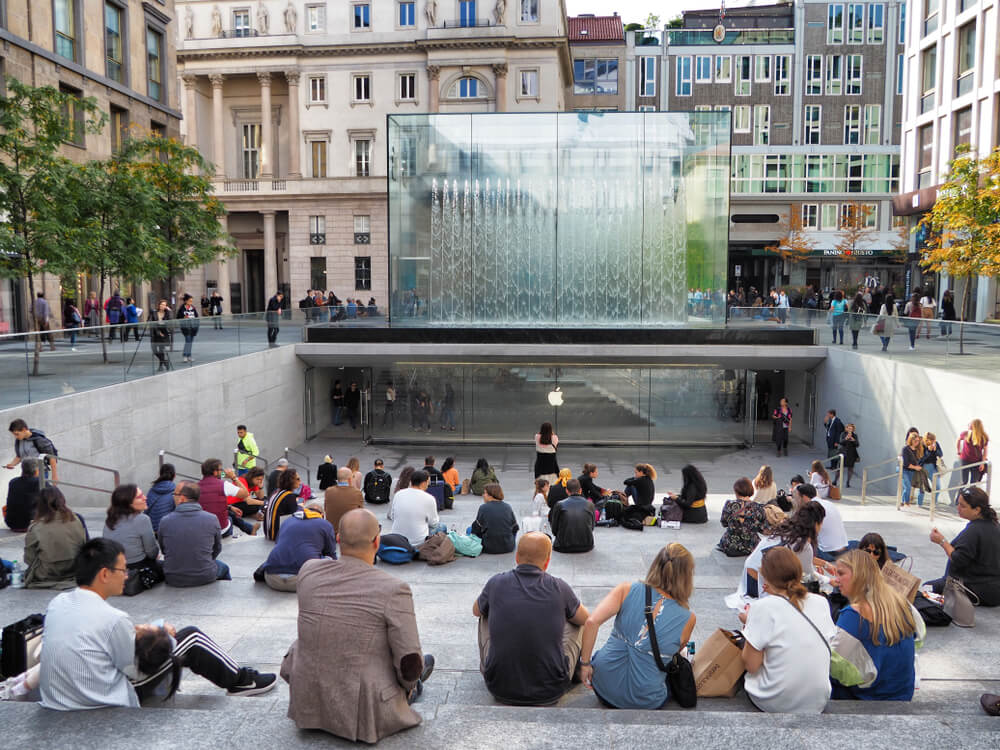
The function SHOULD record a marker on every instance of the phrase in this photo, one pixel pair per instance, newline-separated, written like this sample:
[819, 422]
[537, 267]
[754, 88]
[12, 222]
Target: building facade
[952, 85]
[597, 46]
[120, 53]
[815, 103]
[289, 101]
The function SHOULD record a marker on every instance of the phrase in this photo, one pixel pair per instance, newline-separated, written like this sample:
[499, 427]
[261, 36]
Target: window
[876, 23]
[873, 124]
[407, 155]
[854, 63]
[966, 58]
[317, 90]
[467, 13]
[899, 74]
[683, 76]
[814, 75]
[762, 73]
[931, 8]
[723, 68]
[813, 124]
[65, 28]
[362, 230]
[241, 22]
[529, 11]
[529, 83]
[928, 78]
[407, 15]
[741, 118]
[834, 75]
[703, 69]
[317, 272]
[743, 63]
[318, 149]
[963, 128]
[761, 125]
[595, 76]
[855, 23]
[363, 273]
[315, 18]
[114, 59]
[925, 155]
[869, 214]
[250, 150]
[465, 88]
[362, 17]
[362, 88]
[607, 76]
[119, 128]
[317, 236]
[902, 24]
[362, 157]
[73, 115]
[852, 125]
[154, 64]
[810, 216]
[782, 75]
[647, 73]
[835, 23]
[407, 86]
[830, 216]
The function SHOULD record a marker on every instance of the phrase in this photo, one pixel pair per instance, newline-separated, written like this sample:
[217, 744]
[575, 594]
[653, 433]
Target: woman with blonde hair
[356, 476]
[913, 461]
[765, 489]
[819, 479]
[972, 449]
[881, 621]
[932, 454]
[557, 490]
[624, 674]
[787, 656]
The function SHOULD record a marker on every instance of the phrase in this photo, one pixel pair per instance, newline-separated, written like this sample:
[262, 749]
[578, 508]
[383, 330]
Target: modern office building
[816, 105]
[120, 53]
[289, 101]
[952, 96]
[597, 46]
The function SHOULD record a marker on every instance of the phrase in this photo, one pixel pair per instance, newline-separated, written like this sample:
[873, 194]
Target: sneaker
[428, 667]
[256, 683]
[912, 348]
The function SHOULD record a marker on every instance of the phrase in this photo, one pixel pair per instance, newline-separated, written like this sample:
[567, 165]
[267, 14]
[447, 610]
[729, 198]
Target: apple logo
[556, 397]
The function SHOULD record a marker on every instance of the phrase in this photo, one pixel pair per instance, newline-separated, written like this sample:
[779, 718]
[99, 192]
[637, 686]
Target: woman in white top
[765, 490]
[539, 518]
[820, 479]
[928, 310]
[787, 652]
[546, 465]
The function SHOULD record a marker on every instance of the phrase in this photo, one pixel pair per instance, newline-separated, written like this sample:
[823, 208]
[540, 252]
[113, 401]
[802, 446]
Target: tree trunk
[965, 305]
[37, 356]
[100, 314]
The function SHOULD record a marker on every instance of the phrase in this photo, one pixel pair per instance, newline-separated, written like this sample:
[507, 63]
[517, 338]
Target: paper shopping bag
[906, 584]
[718, 666]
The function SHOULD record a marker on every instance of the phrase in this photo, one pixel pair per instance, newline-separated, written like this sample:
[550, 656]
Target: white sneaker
[911, 348]
[72, 348]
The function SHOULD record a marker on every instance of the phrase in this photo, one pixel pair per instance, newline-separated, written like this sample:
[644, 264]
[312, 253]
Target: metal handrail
[840, 468]
[865, 480]
[937, 475]
[63, 460]
[256, 457]
[308, 466]
[163, 453]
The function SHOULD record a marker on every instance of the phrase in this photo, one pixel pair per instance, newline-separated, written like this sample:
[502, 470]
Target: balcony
[704, 37]
[237, 187]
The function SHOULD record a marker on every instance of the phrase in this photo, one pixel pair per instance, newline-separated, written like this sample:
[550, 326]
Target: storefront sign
[853, 253]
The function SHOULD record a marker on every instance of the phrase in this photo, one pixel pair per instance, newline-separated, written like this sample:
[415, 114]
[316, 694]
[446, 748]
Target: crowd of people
[805, 590]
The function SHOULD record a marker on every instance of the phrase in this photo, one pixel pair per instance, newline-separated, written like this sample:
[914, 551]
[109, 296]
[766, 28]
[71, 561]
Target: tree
[963, 237]
[652, 21]
[34, 124]
[856, 231]
[186, 212]
[796, 244]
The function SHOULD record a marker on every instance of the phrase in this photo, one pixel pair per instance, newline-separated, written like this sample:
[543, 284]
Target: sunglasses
[875, 551]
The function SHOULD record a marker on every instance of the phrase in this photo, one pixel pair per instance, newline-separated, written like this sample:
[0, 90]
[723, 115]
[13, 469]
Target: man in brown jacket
[341, 498]
[362, 689]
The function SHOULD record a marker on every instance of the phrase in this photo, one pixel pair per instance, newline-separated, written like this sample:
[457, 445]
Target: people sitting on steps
[305, 535]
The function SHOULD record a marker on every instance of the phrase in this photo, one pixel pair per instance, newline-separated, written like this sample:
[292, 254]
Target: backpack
[468, 545]
[395, 549]
[437, 550]
[811, 303]
[377, 486]
[671, 511]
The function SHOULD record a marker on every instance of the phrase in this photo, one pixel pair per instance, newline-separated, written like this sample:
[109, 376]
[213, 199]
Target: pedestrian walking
[337, 399]
[189, 324]
[912, 316]
[781, 419]
[42, 313]
[72, 320]
[215, 307]
[273, 317]
[838, 315]
[887, 322]
[856, 320]
[947, 312]
[161, 333]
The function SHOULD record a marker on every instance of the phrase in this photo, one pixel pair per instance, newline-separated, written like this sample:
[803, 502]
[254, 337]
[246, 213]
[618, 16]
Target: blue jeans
[931, 470]
[448, 417]
[188, 343]
[223, 571]
[838, 327]
[72, 336]
[337, 412]
[908, 487]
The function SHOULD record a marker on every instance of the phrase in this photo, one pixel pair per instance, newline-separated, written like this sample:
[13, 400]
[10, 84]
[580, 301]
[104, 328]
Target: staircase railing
[935, 491]
[866, 480]
[308, 464]
[63, 483]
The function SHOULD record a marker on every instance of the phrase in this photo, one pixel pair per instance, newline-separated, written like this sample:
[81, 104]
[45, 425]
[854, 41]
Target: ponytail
[797, 593]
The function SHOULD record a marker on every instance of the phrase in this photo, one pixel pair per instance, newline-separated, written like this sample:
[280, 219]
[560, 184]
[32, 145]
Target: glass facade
[577, 219]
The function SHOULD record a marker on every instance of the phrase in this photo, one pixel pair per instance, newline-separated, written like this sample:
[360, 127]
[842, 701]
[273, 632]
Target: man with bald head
[357, 663]
[342, 497]
[529, 629]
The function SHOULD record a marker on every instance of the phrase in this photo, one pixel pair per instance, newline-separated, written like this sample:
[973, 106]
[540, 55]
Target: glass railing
[935, 342]
[686, 37]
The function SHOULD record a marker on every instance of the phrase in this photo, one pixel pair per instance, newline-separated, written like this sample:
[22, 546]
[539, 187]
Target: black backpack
[377, 487]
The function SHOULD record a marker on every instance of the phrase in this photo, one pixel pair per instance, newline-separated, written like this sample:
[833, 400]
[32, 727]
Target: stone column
[224, 270]
[218, 138]
[294, 170]
[433, 74]
[191, 109]
[500, 72]
[266, 129]
[270, 255]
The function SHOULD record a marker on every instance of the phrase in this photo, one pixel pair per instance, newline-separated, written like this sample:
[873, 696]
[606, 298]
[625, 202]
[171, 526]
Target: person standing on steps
[834, 429]
[246, 450]
[781, 419]
[849, 444]
[273, 317]
[352, 402]
[390, 406]
[337, 398]
[188, 315]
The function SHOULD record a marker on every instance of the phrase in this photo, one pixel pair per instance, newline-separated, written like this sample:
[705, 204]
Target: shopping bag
[718, 665]
[906, 584]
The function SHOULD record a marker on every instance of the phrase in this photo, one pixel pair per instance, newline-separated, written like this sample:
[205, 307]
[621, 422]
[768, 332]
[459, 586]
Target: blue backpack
[395, 549]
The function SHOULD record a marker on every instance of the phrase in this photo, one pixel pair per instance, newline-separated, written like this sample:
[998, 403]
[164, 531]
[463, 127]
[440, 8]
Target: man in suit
[834, 429]
[572, 521]
[362, 689]
[341, 498]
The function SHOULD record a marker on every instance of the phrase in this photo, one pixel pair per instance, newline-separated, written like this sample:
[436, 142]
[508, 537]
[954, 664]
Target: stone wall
[193, 412]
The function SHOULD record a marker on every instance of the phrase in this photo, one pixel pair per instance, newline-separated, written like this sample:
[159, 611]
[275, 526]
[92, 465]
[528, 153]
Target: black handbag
[931, 613]
[680, 673]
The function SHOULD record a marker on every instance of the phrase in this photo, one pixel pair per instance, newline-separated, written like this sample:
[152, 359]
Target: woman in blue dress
[624, 674]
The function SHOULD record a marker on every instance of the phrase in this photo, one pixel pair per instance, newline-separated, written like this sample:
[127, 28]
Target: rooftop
[595, 29]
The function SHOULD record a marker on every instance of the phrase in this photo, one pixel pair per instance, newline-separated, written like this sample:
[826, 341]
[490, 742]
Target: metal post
[933, 500]
[236, 452]
[899, 485]
[161, 459]
[840, 473]
[989, 476]
[864, 486]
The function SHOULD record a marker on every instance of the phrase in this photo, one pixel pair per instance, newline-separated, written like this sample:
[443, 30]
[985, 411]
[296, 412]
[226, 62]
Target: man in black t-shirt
[529, 665]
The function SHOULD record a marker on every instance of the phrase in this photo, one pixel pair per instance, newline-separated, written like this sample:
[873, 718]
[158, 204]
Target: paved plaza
[258, 624]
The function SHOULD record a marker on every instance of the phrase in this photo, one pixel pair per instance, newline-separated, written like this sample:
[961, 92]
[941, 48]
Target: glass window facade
[578, 219]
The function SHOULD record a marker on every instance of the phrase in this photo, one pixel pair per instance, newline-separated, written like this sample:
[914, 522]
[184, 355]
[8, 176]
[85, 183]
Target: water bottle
[17, 576]
[602, 514]
[236, 532]
[690, 651]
